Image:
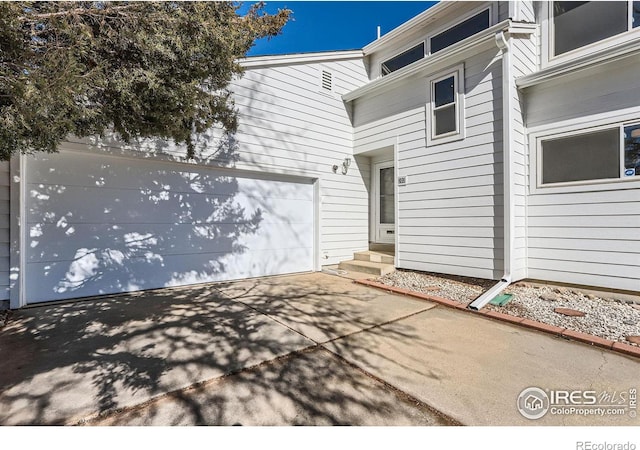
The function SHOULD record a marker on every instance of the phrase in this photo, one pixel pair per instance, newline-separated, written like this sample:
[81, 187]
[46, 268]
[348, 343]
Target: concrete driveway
[311, 349]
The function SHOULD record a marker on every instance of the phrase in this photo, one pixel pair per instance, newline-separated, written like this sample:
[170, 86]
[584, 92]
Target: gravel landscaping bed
[605, 317]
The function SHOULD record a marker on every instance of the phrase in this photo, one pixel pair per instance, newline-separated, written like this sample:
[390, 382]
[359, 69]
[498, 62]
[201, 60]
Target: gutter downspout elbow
[503, 44]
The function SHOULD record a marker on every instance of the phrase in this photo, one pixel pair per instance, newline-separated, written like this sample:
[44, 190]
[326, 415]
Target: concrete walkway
[302, 349]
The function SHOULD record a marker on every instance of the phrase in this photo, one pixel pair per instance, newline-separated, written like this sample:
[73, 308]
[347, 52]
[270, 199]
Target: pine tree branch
[74, 12]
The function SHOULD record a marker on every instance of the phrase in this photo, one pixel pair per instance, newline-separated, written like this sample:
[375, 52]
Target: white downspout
[507, 169]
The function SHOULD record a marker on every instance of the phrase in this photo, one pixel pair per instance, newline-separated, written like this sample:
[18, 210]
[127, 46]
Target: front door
[384, 201]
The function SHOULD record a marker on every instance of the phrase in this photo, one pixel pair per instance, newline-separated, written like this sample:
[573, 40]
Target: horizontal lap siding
[599, 91]
[4, 230]
[586, 243]
[288, 123]
[590, 237]
[450, 213]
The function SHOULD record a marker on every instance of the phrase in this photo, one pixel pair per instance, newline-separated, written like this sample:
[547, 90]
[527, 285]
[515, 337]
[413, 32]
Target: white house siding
[523, 62]
[588, 234]
[526, 11]
[517, 10]
[450, 211]
[287, 124]
[4, 230]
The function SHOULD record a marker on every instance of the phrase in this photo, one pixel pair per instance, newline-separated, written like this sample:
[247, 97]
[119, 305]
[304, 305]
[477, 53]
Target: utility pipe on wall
[507, 169]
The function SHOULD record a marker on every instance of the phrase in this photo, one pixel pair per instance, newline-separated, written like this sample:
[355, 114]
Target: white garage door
[101, 224]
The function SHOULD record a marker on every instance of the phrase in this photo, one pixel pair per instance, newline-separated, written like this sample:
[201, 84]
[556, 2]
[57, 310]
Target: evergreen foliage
[141, 69]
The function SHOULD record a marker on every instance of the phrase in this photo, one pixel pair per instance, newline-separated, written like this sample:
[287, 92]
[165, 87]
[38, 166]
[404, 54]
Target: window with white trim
[607, 153]
[446, 110]
[578, 24]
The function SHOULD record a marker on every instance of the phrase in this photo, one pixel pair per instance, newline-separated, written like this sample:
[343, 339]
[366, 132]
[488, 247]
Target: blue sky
[334, 25]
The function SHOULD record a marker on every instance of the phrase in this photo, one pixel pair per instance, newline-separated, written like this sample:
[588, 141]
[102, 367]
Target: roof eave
[298, 58]
[450, 53]
[604, 56]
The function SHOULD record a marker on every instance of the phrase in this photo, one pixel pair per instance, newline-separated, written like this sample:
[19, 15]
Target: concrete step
[379, 257]
[387, 248]
[374, 268]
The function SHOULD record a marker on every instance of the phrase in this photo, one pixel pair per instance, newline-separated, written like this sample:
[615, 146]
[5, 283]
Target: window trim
[548, 38]
[458, 73]
[621, 182]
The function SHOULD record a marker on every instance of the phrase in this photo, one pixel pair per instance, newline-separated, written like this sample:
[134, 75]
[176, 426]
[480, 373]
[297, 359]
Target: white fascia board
[443, 57]
[420, 20]
[625, 50]
[298, 58]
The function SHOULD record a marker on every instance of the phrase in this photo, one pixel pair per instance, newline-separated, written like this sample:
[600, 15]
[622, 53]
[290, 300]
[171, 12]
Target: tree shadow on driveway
[67, 362]
[311, 387]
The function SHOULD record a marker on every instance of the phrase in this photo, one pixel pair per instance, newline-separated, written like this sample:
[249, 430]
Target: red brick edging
[539, 326]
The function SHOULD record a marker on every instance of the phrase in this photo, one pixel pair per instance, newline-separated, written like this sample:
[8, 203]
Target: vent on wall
[327, 81]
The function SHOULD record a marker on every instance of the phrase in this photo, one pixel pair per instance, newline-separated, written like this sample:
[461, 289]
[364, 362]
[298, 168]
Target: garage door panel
[68, 206]
[52, 243]
[247, 265]
[51, 173]
[115, 234]
[104, 271]
[264, 189]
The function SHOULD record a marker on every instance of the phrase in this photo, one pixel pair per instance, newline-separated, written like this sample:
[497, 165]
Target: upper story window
[577, 24]
[442, 39]
[460, 31]
[444, 106]
[403, 59]
[446, 116]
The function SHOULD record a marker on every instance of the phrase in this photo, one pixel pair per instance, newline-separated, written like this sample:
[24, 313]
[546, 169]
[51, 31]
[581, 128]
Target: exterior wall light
[345, 165]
